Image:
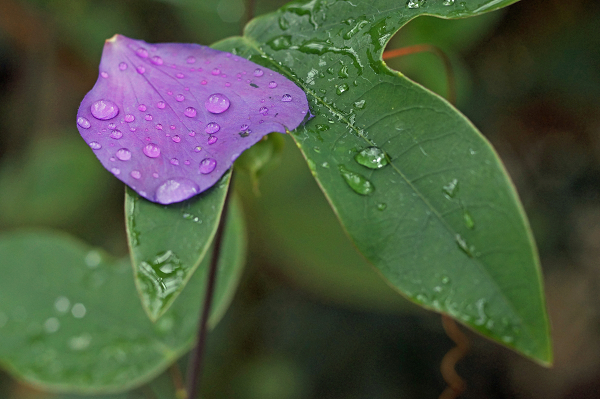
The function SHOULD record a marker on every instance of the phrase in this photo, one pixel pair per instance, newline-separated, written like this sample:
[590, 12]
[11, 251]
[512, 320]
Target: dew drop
[203, 82]
[159, 126]
[161, 105]
[156, 60]
[116, 171]
[136, 174]
[286, 98]
[104, 110]
[244, 127]
[212, 128]
[192, 133]
[258, 72]
[123, 154]
[191, 59]
[372, 158]
[359, 104]
[116, 134]
[216, 71]
[142, 107]
[176, 139]
[414, 3]
[148, 117]
[179, 97]
[217, 103]
[83, 122]
[140, 69]
[141, 52]
[469, 222]
[180, 76]
[151, 150]
[112, 126]
[104, 74]
[212, 139]
[272, 84]
[190, 112]
[174, 161]
[357, 182]
[263, 110]
[176, 190]
[122, 66]
[197, 148]
[342, 89]
[129, 118]
[451, 188]
[464, 246]
[207, 165]
[381, 206]
[94, 145]
[448, 2]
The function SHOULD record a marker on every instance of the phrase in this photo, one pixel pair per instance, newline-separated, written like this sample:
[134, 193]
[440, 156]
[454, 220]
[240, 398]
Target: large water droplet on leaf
[356, 181]
[372, 157]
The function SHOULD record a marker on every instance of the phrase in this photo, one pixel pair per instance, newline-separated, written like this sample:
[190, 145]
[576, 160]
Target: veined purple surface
[156, 103]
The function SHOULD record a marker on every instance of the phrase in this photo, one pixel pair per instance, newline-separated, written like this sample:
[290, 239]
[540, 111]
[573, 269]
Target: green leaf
[441, 221]
[82, 329]
[168, 242]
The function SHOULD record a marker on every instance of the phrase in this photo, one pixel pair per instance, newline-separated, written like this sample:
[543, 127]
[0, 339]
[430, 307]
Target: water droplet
[156, 60]
[180, 76]
[381, 206]
[83, 122]
[191, 59]
[216, 71]
[142, 107]
[141, 52]
[258, 72]
[78, 310]
[372, 157]
[123, 154]
[451, 188]
[148, 117]
[94, 145]
[244, 127]
[212, 127]
[159, 126]
[151, 150]
[179, 97]
[263, 110]
[140, 69]
[176, 139]
[343, 73]
[136, 174]
[190, 112]
[122, 66]
[104, 110]
[286, 98]
[176, 190]
[272, 84]
[207, 165]
[217, 103]
[342, 89]
[104, 74]
[415, 3]
[129, 118]
[469, 222]
[197, 148]
[51, 325]
[360, 104]
[62, 304]
[174, 161]
[356, 181]
[161, 105]
[116, 171]
[448, 2]
[322, 127]
[93, 259]
[192, 133]
[464, 246]
[212, 139]
[80, 342]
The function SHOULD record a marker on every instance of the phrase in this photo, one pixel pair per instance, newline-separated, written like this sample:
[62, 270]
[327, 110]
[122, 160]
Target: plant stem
[195, 366]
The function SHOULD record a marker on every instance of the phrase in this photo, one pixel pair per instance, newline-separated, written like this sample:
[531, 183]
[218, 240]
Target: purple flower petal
[169, 119]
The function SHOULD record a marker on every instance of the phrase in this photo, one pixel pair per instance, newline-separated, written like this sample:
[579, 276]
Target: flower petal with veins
[171, 118]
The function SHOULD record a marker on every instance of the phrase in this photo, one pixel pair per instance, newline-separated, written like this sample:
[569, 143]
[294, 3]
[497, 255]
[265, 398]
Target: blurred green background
[311, 318]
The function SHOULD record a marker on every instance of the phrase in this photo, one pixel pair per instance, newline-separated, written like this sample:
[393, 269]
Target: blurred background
[311, 319]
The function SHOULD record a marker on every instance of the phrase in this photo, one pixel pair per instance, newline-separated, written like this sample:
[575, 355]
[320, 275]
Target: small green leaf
[441, 221]
[168, 242]
[82, 329]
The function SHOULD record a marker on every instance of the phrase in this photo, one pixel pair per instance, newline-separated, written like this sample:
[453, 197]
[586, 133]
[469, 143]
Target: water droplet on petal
[158, 126]
[156, 60]
[129, 118]
[191, 59]
[135, 174]
[212, 127]
[272, 84]
[148, 117]
[104, 110]
[180, 76]
[286, 98]
[174, 161]
[94, 145]
[116, 171]
[124, 154]
[83, 122]
[122, 66]
[258, 72]
[161, 105]
[217, 103]
[176, 139]
[372, 157]
[142, 107]
[244, 127]
[179, 97]
[190, 112]
[140, 69]
[175, 190]
[263, 110]
[151, 150]
[216, 71]
[141, 52]
[197, 148]
[104, 74]
[192, 133]
[116, 134]
[212, 139]
[207, 165]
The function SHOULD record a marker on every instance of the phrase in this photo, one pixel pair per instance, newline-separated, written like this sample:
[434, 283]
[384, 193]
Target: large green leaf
[440, 219]
[84, 329]
[168, 242]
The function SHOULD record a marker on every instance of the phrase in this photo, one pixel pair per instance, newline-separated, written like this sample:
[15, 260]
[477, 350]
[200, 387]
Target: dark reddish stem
[194, 372]
[429, 48]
